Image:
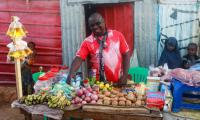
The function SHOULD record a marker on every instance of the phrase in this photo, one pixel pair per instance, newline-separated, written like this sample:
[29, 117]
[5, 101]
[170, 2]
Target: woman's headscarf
[172, 58]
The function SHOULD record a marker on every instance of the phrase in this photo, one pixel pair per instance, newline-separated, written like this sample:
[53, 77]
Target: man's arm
[74, 67]
[126, 65]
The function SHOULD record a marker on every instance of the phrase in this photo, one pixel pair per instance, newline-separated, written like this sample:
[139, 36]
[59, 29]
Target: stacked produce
[116, 98]
[58, 101]
[53, 101]
[34, 99]
[86, 95]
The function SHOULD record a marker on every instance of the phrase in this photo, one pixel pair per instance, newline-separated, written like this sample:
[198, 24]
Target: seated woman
[171, 54]
[191, 58]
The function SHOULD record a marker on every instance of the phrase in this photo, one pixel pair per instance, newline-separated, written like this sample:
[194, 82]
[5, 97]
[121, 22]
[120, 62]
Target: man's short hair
[192, 44]
[94, 15]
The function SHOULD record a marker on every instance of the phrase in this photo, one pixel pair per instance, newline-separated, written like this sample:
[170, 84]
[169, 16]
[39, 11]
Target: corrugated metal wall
[185, 27]
[42, 20]
[146, 23]
[98, 1]
[73, 29]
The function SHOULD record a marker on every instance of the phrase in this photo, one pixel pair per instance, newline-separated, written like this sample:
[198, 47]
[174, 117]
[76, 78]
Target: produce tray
[115, 109]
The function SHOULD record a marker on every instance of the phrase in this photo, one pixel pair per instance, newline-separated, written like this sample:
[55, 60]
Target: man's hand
[68, 79]
[74, 67]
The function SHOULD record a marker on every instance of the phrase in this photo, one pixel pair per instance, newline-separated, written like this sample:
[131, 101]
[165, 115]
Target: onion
[94, 92]
[85, 91]
[73, 102]
[89, 89]
[94, 97]
[96, 88]
[88, 94]
[87, 99]
[83, 96]
[84, 102]
[76, 100]
[93, 102]
[79, 92]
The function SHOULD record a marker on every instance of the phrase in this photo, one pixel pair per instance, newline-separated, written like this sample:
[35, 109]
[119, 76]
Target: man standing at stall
[106, 50]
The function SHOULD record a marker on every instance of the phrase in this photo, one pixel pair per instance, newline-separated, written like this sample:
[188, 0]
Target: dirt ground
[8, 113]
[7, 95]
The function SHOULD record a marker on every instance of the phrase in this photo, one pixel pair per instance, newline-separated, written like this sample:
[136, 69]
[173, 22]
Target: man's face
[192, 50]
[97, 26]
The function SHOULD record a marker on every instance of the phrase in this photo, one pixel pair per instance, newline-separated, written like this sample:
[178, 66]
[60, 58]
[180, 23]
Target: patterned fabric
[114, 46]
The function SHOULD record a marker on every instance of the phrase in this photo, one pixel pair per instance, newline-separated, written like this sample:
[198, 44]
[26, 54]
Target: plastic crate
[138, 74]
[178, 89]
[155, 100]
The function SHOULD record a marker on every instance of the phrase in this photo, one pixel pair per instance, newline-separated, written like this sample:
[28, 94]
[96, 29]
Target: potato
[122, 99]
[128, 103]
[133, 105]
[122, 103]
[120, 95]
[100, 102]
[138, 103]
[140, 97]
[106, 102]
[114, 92]
[106, 98]
[143, 102]
[143, 98]
[130, 96]
[112, 95]
[134, 100]
[114, 103]
[101, 96]
[114, 99]
[107, 93]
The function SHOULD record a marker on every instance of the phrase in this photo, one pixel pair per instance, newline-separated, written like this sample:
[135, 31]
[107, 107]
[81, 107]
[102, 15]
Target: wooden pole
[18, 78]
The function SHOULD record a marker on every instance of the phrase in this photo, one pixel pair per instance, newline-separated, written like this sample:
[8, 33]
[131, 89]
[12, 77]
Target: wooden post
[18, 78]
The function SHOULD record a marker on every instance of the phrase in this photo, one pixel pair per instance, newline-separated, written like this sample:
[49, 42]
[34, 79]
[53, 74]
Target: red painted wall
[42, 20]
[119, 17]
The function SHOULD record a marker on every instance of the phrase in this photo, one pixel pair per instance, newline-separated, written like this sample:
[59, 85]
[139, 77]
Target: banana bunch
[34, 99]
[58, 101]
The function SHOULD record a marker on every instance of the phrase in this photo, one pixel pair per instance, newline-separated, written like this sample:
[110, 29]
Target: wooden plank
[32, 6]
[18, 78]
[106, 116]
[42, 18]
[115, 110]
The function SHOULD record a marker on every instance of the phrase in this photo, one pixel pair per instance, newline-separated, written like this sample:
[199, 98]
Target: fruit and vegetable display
[58, 94]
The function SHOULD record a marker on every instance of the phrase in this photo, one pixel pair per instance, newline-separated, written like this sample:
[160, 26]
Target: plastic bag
[44, 83]
[67, 89]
